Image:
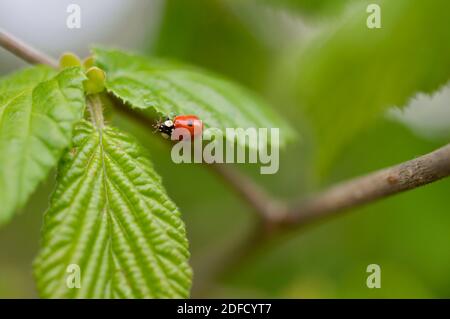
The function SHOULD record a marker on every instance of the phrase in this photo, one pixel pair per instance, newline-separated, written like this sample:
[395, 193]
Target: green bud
[69, 59]
[95, 82]
[88, 62]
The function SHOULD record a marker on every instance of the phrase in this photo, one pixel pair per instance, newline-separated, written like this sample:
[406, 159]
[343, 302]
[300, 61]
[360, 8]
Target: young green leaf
[111, 218]
[351, 74]
[37, 113]
[169, 88]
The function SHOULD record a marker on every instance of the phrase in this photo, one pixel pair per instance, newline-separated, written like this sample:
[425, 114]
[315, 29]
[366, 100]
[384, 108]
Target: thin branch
[245, 187]
[266, 208]
[275, 216]
[270, 209]
[350, 194]
[380, 184]
[24, 51]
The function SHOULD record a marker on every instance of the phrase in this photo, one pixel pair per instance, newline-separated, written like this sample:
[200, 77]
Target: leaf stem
[95, 108]
[276, 217]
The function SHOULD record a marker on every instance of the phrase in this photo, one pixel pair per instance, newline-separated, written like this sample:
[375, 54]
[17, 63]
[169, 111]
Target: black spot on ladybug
[190, 123]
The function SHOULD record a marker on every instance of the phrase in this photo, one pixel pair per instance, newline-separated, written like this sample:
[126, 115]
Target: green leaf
[168, 88]
[310, 7]
[351, 74]
[111, 216]
[37, 113]
[216, 35]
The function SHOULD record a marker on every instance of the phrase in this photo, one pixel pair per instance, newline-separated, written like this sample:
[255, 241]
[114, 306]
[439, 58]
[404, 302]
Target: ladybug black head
[165, 128]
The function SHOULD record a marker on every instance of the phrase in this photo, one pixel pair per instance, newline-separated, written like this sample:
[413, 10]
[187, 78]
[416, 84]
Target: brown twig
[265, 207]
[245, 187]
[273, 214]
[371, 187]
[24, 51]
[423, 170]
[269, 209]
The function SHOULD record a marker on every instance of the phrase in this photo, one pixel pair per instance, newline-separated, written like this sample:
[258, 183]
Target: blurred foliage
[210, 33]
[174, 88]
[311, 7]
[350, 74]
[407, 235]
[344, 67]
[16, 280]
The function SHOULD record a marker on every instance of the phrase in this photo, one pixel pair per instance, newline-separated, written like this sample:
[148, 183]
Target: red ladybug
[189, 122]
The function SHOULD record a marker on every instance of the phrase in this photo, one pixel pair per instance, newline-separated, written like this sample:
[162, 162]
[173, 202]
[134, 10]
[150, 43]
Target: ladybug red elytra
[189, 122]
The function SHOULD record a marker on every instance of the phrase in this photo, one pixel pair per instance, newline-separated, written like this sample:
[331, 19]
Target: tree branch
[245, 187]
[380, 184]
[423, 170]
[24, 51]
[265, 207]
[269, 208]
[275, 215]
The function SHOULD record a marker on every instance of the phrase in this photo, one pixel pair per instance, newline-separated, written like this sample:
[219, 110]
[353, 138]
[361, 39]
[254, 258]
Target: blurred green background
[361, 99]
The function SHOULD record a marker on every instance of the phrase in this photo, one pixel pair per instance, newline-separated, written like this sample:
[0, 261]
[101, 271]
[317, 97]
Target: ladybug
[189, 122]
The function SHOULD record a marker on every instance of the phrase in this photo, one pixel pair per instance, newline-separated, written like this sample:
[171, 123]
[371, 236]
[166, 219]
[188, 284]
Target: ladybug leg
[157, 125]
